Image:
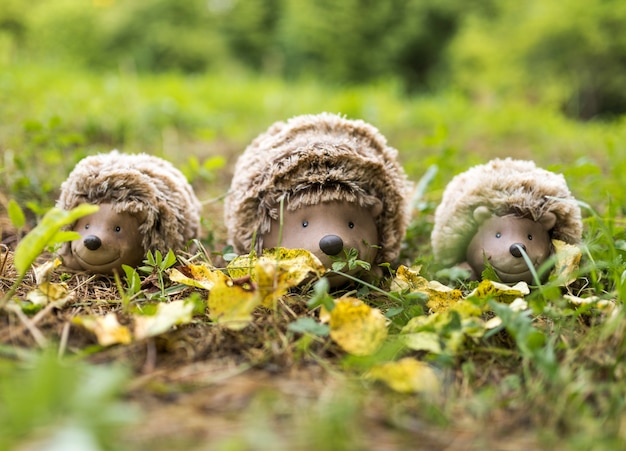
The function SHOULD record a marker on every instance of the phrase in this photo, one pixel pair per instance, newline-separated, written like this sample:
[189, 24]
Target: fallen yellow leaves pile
[251, 282]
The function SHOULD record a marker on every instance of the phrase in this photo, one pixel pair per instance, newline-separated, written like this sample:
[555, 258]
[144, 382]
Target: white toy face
[327, 229]
[500, 240]
[109, 239]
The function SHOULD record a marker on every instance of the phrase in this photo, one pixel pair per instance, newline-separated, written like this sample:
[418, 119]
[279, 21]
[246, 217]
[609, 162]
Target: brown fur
[504, 186]
[312, 159]
[138, 183]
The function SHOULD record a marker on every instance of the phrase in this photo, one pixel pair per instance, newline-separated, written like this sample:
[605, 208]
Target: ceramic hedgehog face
[109, 240]
[496, 212]
[328, 229]
[322, 183]
[145, 204]
[501, 241]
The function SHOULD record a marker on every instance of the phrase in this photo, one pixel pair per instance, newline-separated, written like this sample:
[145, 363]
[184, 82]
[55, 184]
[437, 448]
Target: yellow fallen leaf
[231, 303]
[276, 271]
[499, 291]
[356, 327]
[408, 279]
[567, 262]
[406, 376]
[50, 292]
[242, 266]
[42, 272]
[593, 301]
[107, 329]
[199, 276]
[423, 341]
[441, 297]
[166, 316]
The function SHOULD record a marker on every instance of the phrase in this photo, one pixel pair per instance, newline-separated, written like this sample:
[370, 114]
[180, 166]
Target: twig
[30, 325]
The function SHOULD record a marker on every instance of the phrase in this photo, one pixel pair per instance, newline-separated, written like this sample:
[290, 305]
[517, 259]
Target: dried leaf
[358, 328]
[107, 329]
[167, 315]
[567, 262]
[408, 279]
[42, 272]
[199, 276]
[406, 376]
[231, 303]
[440, 297]
[499, 291]
[423, 341]
[605, 305]
[276, 271]
[49, 292]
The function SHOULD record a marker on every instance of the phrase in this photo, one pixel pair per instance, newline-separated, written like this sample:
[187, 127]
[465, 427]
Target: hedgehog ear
[481, 214]
[377, 208]
[548, 220]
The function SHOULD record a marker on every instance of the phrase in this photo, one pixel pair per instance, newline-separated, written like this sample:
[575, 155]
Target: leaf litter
[241, 312]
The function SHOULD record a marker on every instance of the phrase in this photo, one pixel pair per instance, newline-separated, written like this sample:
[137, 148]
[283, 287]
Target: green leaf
[170, 260]
[308, 325]
[47, 233]
[16, 214]
[132, 279]
[321, 296]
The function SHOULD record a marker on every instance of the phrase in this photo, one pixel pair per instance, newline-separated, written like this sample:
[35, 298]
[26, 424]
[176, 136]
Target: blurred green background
[569, 54]
[450, 83]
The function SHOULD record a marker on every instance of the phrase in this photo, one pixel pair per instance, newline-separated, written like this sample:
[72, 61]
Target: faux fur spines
[505, 186]
[311, 159]
[138, 183]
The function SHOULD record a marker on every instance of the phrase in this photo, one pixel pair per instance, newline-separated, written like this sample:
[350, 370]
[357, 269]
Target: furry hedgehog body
[138, 183]
[505, 187]
[312, 159]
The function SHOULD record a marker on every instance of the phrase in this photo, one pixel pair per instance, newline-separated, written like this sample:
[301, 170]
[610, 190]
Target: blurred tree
[571, 54]
[165, 35]
[362, 40]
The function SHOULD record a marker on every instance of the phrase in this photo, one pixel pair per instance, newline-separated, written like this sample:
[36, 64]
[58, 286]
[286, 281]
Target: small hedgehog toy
[322, 183]
[494, 212]
[145, 204]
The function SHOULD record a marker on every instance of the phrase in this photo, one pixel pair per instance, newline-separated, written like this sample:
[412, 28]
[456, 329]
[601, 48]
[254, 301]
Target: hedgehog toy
[146, 204]
[322, 183]
[494, 212]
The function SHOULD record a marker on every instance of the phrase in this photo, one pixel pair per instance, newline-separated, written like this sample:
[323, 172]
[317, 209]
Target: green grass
[552, 377]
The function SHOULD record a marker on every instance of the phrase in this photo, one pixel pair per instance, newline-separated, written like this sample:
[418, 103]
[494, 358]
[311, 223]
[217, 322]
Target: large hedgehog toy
[145, 204]
[494, 212]
[322, 183]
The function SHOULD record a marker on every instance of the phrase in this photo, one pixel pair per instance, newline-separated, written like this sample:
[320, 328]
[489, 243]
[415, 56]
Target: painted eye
[530, 237]
[86, 226]
[498, 235]
[305, 223]
[351, 225]
[118, 228]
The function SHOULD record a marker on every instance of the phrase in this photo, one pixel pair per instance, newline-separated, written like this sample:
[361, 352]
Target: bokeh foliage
[569, 54]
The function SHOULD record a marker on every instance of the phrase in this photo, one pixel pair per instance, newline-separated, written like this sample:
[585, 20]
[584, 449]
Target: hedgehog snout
[92, 242]
[516, 249]
[331, 244]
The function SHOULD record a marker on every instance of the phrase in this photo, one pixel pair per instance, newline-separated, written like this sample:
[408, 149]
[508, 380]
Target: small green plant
[133, 284]
[46, 234]
[350, 259]
[159, 264]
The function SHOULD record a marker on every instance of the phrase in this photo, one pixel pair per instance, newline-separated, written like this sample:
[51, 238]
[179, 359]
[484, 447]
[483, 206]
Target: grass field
[551, 376]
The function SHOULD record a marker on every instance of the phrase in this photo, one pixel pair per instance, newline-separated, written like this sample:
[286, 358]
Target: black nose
[331, 244]
[515, 249]
[92, 242]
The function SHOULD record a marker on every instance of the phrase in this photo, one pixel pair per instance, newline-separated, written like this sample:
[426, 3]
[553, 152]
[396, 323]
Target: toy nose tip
[92, 242]
[516, 249]
[331, 244]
